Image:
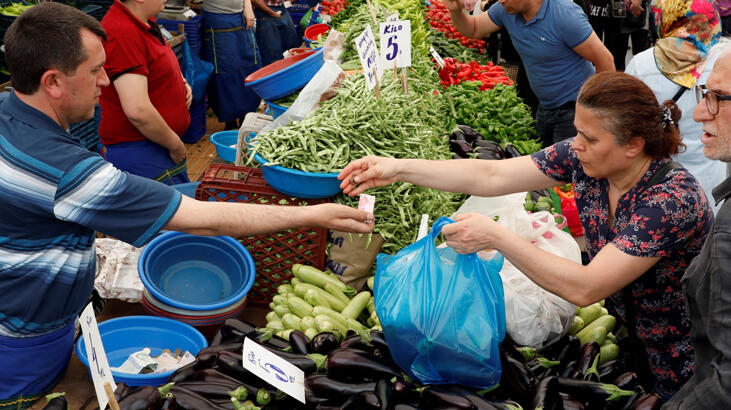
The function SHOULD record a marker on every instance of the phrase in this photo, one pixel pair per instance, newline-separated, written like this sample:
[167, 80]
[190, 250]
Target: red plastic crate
[274, 254]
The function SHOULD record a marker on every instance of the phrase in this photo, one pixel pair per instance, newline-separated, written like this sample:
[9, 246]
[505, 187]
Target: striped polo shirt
[54, 195]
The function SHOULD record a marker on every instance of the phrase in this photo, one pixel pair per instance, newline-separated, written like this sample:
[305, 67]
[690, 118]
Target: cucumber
[291, 321]
[285, 288]
[576, 325]
[314, 299]
[299, 307]
[332, 301]
[317, 277]
[272, 316]
[607, 322]
[596, 335]
[281, 309]
[608, 352]
[590, 313]
[356, 305]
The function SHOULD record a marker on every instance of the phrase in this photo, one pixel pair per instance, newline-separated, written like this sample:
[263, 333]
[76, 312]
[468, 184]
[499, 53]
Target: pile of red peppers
[455, 72]
[438, 17]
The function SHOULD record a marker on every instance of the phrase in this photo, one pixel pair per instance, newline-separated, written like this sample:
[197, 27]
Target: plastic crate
[274, 254]
[191, 28]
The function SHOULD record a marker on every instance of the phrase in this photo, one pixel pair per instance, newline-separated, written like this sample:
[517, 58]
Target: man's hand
[178, 153]
[188, 94]
[341, 218]
[636, 7]
[454, 6]
[368, 172]
[249, 18]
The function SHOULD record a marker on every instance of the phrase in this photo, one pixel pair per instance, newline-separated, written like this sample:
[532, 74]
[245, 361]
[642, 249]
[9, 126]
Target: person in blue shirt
[54, 195]
[558, 47]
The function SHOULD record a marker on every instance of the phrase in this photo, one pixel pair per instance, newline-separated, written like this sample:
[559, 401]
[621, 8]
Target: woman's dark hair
[630, 110]
[46, 36]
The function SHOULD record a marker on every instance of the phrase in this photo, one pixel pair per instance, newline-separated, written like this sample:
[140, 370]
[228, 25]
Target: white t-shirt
[224, 6]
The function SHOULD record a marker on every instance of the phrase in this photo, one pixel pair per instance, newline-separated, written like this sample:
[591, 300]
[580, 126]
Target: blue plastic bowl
[299, 184]
[196, 272]
[276, 110]
[125, 335]
[286, 76]
[223, 141]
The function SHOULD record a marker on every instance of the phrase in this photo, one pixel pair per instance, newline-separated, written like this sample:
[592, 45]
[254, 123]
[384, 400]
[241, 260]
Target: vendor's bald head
[716, 116]
[46, 36]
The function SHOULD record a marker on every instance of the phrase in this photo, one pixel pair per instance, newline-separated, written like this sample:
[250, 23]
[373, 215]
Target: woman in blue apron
[229, 44]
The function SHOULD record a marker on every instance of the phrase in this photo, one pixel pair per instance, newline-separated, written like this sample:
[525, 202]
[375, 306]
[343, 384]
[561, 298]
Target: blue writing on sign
[336, 267]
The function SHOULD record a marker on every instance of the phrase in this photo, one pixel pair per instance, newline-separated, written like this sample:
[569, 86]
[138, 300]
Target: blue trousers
[147, 159]
[555, 124]
[275, 35]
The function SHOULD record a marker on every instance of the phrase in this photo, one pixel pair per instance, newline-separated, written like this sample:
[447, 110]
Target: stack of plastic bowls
[199, 280]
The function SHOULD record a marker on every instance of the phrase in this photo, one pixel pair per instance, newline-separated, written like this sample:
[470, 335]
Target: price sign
[437, 57]
[396, 43]
[365, 43]
[392, 18]
[98, 364]
[274, 370]
[287, 4]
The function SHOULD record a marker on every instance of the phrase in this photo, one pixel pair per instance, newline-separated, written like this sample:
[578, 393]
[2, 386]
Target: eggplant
[461, 148]
[56, 401]
[626, 380]
[547, 397]
[487, 155]
[356, 342]
[189, 400]
[595, 394]
[571, 404]
[477, 401]
[143, 398]
[404, 407]
[183, 373]
[210, 390]
[169, 404]
[324, 343]
[404, 391]
[438, 397]
[217, 338]
[216, 376]
[569, 352]
[231, 364]
[226, 404]
[207, 356]
[345, 364]
[490, 145]
[511, 150]
[587, 355]
[323, 386]
[651, 401]
[310, 363]
[234, 325]
[470, 134]
[516, 379]
[506, 405]
[384, 391]
[299, 342]
[610, 370]
[508, 347]
[362, 401]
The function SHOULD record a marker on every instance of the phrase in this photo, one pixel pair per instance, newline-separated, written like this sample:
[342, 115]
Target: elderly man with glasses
[707, 281]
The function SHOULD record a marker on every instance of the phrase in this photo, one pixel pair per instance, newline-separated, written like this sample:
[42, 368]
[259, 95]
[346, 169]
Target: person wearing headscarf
[687, 29]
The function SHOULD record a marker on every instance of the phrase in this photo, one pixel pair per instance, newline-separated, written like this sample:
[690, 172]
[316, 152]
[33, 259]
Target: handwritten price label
[274, 370]
[98, 364]
[396, 43]
[365, 43]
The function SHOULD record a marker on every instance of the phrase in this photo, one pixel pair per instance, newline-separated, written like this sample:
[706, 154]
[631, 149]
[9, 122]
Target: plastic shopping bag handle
[436, 229]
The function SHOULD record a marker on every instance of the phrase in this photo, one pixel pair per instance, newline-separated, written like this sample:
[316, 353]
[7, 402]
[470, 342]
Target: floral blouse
[669, 220]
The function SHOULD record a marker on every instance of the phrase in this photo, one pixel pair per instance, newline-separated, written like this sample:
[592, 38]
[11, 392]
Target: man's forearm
[463, 23]
[151, 124]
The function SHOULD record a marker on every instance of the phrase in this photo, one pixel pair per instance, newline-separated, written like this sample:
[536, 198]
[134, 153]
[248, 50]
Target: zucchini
[284, 334]
[604, 311]
[285, 288]
[281, 309]
[279, 299]
[272, 316]
[370, 282]
[311, 332]
[326, 324]
[608, 352]
[308, 322]
[333, 315]
[590, 313]
[335, 291]
[356, 305]
[576, 325]
[275, 325]
[374, 318]
[354, 324]
[314, 299]
[332, 301]
[295, 281]
[607, 322]
[291, 321]
[596, 335]
[317, 277]
[371, 306]
[298, 306]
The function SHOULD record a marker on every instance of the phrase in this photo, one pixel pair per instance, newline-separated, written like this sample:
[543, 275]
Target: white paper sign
[437, 57]
[393, 17]
[287, 4]
[274, 370]
[365, 43]
[396, 43]
[98, 365]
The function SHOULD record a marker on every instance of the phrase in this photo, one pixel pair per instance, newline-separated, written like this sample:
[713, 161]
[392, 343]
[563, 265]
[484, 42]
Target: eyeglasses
[712, 98]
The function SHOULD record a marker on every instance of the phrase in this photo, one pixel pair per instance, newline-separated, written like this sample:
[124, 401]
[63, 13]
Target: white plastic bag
[534, 316]
[116, 270]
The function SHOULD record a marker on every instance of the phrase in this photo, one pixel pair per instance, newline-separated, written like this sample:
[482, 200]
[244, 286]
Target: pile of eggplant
[465, 142]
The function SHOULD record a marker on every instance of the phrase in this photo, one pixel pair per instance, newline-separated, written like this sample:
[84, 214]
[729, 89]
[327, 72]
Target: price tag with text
[437, 57]
[365, 43]
[274, 370]
[396, 43]
[287, 4]
[98, 365]
[392, 18]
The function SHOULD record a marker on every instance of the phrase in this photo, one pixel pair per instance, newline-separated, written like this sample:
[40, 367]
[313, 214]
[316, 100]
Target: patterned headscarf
[687, 29]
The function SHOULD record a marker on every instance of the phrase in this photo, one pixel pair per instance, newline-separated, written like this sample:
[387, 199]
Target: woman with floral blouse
[640, 236]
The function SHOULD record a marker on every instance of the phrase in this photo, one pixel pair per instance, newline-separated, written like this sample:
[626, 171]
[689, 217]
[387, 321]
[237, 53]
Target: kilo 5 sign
[365, 43]
[396, 43]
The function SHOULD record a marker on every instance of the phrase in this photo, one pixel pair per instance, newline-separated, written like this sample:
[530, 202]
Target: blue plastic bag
[443, 314]
[196, 72]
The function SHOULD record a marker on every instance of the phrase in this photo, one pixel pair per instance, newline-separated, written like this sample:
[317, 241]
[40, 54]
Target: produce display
[333, 7]
[439, 18]
[456, 72]
[15, 9]
[451, 47]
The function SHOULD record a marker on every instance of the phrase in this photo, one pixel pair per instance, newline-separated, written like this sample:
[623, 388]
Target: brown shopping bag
[351, 256]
